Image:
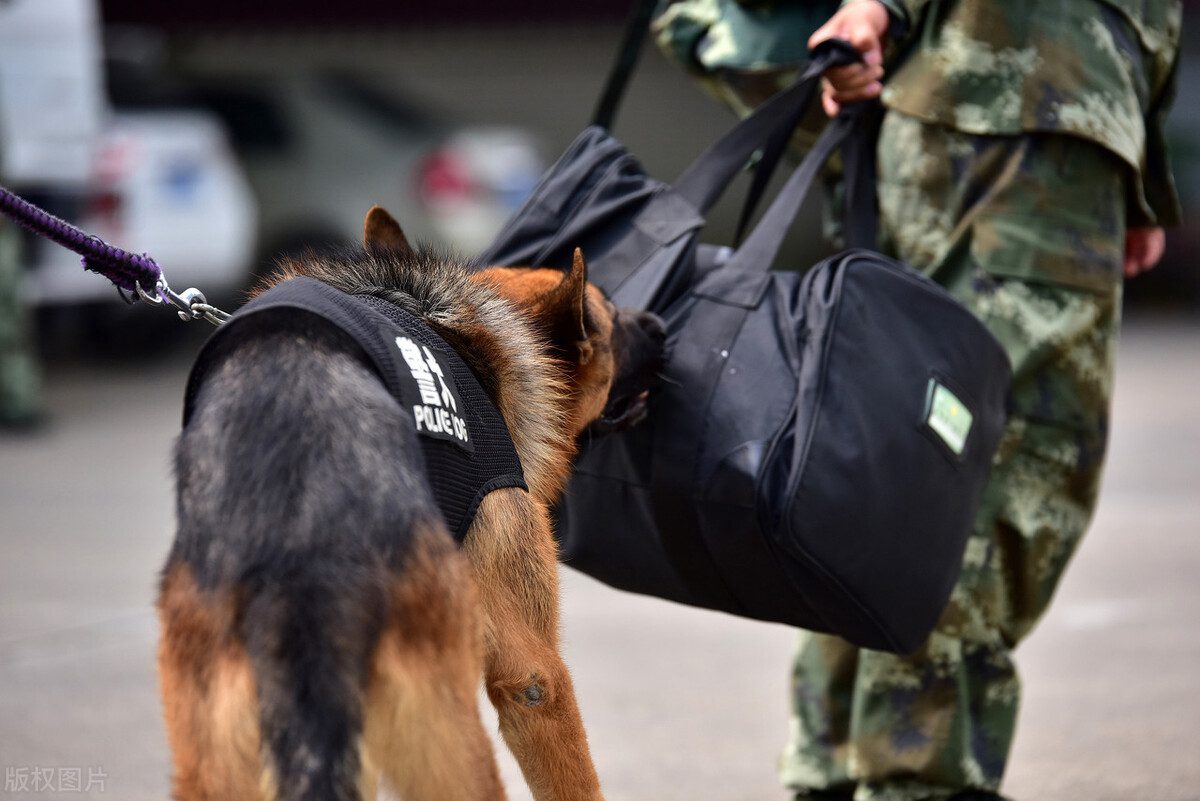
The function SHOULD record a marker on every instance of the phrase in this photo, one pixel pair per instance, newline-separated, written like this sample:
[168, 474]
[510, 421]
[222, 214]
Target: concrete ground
[680, 704]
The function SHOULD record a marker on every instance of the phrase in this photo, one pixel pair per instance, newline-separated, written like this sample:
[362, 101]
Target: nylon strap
[770, 125]
[757, 253]
[628, 51]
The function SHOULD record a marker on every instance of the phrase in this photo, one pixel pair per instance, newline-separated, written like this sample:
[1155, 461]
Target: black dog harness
[467, 448]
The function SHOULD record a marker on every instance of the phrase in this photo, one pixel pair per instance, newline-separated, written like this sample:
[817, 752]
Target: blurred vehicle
[51, 94]
[320, 149]
[162, 182]
[475, 181]
[167, 184]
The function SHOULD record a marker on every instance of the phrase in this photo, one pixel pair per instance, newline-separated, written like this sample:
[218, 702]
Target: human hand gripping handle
[863, 23]
[1143, 248]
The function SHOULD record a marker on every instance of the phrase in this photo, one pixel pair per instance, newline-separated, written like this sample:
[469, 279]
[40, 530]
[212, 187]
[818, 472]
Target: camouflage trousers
[1028, 232]
[19, 378]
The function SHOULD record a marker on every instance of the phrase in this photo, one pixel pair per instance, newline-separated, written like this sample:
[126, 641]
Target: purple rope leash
[126, 270]
[138, 274]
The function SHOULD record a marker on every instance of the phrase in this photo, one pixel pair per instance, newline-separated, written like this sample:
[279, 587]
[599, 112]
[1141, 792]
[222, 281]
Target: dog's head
[608, 357]
[611, 357]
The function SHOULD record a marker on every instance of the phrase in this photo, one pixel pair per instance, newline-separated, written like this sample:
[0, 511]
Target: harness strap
[466, 447]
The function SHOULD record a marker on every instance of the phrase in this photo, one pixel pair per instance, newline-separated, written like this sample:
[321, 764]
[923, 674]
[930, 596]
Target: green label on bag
[948, 416]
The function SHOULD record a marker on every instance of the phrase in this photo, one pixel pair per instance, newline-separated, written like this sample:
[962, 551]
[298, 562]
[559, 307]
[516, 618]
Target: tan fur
[381, 231]
[422, 728]
[511, 545]
[513, 554]
[546, 403]
[571, 403]
[210, 702]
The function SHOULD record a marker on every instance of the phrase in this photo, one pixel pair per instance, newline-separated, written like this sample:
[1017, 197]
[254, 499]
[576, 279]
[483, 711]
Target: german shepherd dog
[322, 633]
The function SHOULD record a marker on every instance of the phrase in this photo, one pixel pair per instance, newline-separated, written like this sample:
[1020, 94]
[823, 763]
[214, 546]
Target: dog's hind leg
[513, 555]
[422, 725]
[208, 694]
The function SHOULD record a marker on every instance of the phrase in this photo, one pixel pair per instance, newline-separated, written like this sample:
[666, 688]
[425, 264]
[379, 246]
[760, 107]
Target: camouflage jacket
[1100, 69]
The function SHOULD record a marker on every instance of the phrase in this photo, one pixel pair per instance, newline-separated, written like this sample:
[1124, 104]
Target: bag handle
[770, 126]
[853, 132]
[636, 26]
[861, 222]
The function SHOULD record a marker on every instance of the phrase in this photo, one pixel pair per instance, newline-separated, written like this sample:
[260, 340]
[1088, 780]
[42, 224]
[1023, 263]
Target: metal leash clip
[189, 304]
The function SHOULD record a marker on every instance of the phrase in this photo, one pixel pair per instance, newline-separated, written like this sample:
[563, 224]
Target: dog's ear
[382, 233]
[564, 311]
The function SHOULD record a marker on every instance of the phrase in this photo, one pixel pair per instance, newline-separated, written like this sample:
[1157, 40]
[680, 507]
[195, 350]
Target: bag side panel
[880, 505]
[607, 526]
[753, 396]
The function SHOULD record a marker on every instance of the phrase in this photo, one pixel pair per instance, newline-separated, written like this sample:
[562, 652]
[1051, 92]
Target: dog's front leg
[540, 721]
[514, 558]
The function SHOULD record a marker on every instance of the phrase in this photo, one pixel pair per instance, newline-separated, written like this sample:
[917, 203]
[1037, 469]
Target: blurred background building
[220, 134]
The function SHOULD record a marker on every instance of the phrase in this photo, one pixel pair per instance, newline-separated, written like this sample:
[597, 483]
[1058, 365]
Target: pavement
[679, 703]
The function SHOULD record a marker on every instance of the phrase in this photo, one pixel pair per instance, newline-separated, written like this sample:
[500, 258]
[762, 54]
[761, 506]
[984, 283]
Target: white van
[51, 92]
[160, 182]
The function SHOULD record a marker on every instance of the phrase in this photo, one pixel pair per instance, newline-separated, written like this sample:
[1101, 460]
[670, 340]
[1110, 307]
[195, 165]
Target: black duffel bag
[817, 449]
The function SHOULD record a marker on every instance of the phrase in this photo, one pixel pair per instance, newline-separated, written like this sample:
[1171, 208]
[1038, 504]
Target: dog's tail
[314, 681]
[263, 682]
[374, 672]
[310, 633]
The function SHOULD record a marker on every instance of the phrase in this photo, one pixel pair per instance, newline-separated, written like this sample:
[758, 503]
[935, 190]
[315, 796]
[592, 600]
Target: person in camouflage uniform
[20, 401]
[1021, 165]
[20, 379]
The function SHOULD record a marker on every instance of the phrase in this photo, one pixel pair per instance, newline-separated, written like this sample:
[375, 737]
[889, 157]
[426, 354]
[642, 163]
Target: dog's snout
[652, 326]
[643, 327]
[639, 345]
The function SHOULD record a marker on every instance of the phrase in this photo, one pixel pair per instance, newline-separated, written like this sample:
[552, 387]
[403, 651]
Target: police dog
[322, 634]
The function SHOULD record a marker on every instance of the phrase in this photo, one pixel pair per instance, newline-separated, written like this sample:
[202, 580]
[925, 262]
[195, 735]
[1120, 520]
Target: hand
[1143, 248]
[863, 24]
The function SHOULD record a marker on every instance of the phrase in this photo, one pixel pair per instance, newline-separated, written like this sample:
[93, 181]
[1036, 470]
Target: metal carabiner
[187, 301]
[153, 300]
[190, 304]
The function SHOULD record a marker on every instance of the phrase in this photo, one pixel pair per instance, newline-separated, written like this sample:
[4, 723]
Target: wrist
[898, 22]
[895, 13]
